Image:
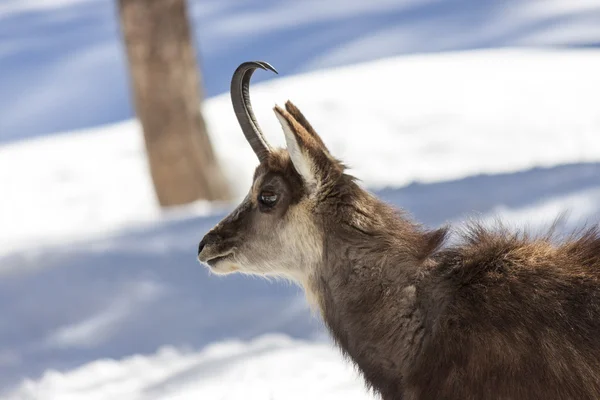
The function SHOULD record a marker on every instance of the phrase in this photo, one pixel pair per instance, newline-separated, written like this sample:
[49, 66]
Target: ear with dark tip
[298, 116]
[307, 152]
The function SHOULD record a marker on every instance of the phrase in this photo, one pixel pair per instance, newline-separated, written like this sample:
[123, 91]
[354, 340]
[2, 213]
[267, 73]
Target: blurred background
[119, 149]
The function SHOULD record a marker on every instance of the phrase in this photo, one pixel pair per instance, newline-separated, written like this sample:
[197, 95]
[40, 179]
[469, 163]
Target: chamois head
[273, 231]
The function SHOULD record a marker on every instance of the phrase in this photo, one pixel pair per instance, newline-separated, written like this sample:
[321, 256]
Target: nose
[201, 245]
[209, 238]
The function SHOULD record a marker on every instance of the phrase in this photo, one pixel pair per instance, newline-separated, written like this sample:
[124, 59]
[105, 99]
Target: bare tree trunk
[166, 86]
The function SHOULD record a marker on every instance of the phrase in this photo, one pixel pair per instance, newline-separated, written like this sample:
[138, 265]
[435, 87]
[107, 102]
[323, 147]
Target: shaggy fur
[499, 315]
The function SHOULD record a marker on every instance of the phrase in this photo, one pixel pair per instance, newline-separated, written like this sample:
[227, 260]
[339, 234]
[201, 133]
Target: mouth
[216, 260]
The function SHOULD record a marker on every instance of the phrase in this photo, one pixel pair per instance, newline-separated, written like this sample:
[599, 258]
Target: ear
[298, 116]
[307, 151]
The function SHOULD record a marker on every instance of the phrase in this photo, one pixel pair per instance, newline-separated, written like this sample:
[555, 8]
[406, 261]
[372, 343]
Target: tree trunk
[166, 87]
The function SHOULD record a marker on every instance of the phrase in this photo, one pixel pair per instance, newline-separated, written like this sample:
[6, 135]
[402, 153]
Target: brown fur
[500, 315]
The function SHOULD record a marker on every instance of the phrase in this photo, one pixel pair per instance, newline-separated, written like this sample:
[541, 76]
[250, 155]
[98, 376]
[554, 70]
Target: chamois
[496, 315]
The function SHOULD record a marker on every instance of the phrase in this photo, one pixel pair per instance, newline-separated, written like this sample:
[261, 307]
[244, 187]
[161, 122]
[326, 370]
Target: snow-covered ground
[271, 367]
[424, 118]
[62, 64]
[100, 293]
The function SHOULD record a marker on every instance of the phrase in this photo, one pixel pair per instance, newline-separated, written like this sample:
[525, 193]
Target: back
[516, 318]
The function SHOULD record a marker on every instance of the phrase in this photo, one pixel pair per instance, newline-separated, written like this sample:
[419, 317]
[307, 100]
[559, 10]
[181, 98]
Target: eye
[267, 198]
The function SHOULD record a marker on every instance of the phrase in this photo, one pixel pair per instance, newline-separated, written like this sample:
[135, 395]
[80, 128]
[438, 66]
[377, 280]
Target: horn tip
[266, 66]
[250, 65]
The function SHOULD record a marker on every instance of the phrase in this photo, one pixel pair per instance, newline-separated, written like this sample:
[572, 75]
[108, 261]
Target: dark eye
[267, 198]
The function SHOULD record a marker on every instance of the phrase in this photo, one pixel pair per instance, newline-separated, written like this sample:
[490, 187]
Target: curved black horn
[240, 98]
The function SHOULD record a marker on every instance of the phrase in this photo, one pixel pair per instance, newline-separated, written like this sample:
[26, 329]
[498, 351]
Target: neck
[375, 250]
[371, 236]
[365, 285]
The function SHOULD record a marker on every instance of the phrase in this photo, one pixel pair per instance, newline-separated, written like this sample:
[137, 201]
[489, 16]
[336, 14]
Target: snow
[73, 47]
[100, 293]
[132, 315]
[440, 116]
[9, 7]
[102, 290]
[270, 367]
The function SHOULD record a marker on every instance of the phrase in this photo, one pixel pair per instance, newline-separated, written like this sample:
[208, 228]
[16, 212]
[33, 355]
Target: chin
[224, 267]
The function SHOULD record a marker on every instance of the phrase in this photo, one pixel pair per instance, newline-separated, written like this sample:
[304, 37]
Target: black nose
[201, 246]
[209, 238]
